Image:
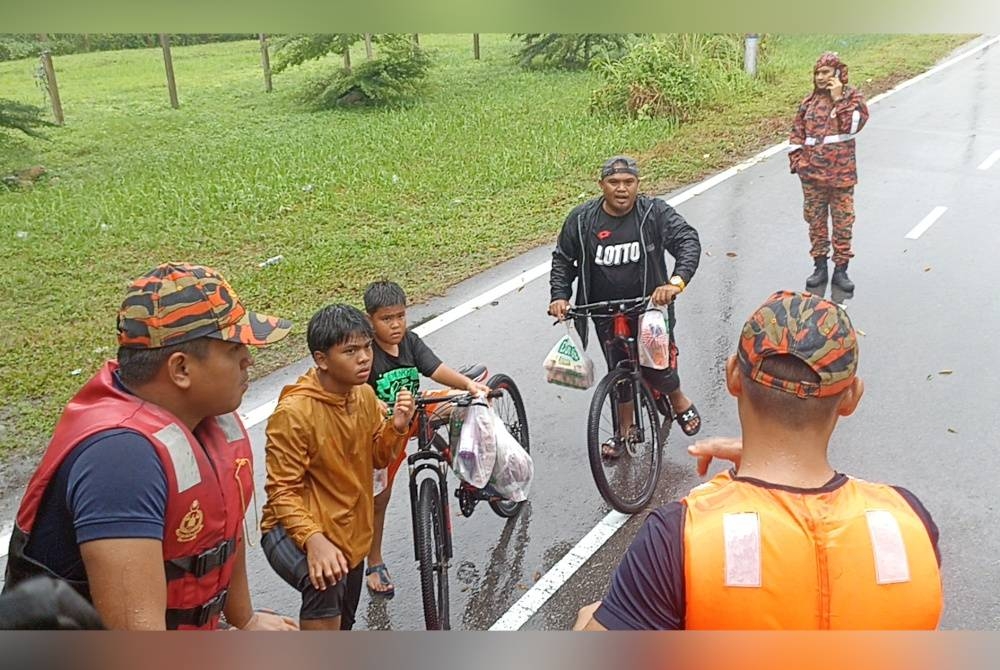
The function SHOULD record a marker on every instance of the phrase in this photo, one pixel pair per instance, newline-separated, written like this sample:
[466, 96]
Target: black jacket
[661, 229]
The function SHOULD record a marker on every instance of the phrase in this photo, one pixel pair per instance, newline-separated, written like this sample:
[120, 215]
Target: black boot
[819, 276]
[841, 280]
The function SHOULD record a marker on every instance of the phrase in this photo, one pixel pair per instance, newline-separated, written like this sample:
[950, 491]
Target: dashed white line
[926, 223]
[988, 163]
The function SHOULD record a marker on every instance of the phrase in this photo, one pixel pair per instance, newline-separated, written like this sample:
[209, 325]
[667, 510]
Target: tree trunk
[369, 53]
[347, 60]
[475, 45]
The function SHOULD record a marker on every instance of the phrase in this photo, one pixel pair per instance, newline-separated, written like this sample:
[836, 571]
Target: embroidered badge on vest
[191, 524]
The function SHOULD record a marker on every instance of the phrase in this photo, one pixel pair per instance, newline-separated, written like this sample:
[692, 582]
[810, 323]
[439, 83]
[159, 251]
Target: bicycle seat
[475, 371]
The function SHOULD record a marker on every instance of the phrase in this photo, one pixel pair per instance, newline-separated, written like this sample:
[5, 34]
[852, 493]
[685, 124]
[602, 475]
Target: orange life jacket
[856, 556]
[209, 484]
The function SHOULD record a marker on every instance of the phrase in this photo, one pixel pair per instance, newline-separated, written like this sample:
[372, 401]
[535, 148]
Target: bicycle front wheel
[510, 408]
[430, 554]
[623, 444]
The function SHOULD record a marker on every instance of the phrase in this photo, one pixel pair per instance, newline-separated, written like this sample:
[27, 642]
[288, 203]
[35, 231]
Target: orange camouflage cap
[814, 330]
[179, 302]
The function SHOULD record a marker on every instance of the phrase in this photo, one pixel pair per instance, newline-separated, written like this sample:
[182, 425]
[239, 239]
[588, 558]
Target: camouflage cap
[617, 164]
[812, 329]
[178, 302]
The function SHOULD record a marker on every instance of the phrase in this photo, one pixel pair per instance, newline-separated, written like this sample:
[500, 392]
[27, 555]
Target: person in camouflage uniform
[822, 154]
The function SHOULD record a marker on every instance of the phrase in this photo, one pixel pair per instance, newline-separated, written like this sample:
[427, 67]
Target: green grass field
[481, 168]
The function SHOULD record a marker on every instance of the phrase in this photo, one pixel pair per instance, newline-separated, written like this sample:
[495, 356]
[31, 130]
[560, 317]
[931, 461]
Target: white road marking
[532, 600]
[539, 594]
[926, 223]
[988, 163]
[559, 574]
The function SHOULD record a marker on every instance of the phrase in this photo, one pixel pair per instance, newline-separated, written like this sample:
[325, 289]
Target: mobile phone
[836, 73]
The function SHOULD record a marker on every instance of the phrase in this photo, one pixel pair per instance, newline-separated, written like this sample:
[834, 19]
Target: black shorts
[290, 563]
[665, 381]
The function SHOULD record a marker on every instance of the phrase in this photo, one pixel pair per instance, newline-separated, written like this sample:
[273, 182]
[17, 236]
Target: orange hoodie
[320, 452]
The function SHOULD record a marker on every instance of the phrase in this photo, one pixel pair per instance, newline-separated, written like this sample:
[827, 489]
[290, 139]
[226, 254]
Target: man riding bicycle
[614, 245]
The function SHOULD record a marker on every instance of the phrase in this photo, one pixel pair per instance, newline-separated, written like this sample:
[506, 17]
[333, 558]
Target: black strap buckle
[203, 563]
[198, 616]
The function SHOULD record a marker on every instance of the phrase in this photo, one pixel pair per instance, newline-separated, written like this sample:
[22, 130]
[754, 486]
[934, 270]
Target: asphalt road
[925, 306]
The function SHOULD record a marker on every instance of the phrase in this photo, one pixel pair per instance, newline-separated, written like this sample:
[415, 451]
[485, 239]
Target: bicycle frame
[432, 459]
[621, 334]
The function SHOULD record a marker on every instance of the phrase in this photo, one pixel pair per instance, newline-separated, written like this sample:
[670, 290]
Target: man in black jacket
[613, 246]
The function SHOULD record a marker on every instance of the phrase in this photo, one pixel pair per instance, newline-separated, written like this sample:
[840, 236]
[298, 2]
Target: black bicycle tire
[505, 508]
[430, 553]
[610, 496]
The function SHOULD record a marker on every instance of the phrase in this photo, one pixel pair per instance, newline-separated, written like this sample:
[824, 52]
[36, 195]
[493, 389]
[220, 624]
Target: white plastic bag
[654, 337]
[476, 452]
[568, 364]
[514, 468]
[380, 479]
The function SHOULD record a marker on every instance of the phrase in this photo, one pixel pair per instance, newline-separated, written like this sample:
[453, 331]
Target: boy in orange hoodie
[325, 437]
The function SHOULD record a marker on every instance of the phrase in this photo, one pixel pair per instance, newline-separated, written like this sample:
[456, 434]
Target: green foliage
[19, 116]
[395, 76]
[22, 45]
[294, 50]
[484, 168]
[568, 51]
[673, 77]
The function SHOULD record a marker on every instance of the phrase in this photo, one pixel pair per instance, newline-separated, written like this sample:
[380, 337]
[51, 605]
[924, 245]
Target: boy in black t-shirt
[400, 358]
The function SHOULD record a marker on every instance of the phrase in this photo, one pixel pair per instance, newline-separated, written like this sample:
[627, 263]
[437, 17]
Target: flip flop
[383, 577]
[612, 449]
[686, 417]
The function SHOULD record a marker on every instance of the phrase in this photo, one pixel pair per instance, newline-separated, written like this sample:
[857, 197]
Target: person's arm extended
[797, 138]
[585, 618]
[286, 454]
[456, 380]
[127, 581]
[239, 608]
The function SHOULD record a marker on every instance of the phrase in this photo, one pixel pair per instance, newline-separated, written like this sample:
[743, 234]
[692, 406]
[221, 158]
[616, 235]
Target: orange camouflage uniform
[822, 154]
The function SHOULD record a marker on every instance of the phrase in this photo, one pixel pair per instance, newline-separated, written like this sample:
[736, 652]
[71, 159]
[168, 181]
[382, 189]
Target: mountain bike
[624, 436]
[428, 470]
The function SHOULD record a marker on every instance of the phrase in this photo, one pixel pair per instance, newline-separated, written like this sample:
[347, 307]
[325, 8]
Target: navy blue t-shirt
[111, 486]
[647, 588]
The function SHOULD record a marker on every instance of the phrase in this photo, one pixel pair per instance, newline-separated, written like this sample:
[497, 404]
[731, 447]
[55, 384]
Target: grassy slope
[482, 168]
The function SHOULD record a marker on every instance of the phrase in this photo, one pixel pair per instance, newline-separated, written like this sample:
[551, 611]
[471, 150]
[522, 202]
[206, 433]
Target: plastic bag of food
[514, 469]
[654, 337]
[476, 452]
[568, 364]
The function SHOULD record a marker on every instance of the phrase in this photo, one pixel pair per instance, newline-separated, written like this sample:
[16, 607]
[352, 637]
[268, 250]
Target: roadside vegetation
[479, 166]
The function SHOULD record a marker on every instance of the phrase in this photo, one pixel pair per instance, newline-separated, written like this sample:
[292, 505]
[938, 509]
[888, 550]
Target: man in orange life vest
[782, 540]
[140, 498]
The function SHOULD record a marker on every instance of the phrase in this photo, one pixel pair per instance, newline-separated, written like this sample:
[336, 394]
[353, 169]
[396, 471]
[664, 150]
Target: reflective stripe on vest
[854, 556]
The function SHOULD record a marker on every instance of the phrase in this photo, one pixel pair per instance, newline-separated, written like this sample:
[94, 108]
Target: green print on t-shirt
[390, 382]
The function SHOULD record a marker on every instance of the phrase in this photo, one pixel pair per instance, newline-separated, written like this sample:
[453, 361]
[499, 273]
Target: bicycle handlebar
[459, 398]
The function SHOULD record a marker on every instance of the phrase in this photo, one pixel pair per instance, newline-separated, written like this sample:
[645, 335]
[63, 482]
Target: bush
[568, 51]
[672, 77]
[23, 45]
[396, 75]
[651, 81]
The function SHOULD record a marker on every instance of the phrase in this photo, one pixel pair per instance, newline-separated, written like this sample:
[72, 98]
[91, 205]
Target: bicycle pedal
[466, 501]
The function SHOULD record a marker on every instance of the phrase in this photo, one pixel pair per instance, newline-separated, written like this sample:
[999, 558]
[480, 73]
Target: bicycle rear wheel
[430, 553]
[510, 408]
[626, 481]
